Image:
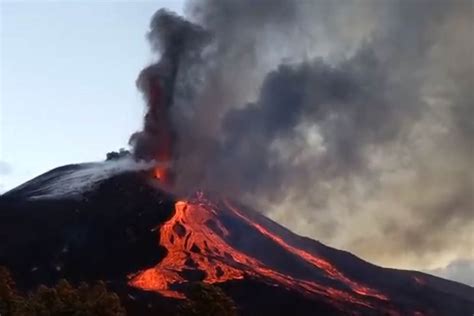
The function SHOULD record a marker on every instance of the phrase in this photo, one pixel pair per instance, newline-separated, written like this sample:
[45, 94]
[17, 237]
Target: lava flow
[195, 239]
[320, 263]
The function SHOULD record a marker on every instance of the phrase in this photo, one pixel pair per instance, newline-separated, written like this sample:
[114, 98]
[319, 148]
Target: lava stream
[320, 263]
[195, 240]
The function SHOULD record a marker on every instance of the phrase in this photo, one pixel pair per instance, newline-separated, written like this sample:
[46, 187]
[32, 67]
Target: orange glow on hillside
[320, 263]
[195, 240]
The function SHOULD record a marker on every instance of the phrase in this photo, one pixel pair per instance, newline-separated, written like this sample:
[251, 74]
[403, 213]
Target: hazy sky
[68, 71]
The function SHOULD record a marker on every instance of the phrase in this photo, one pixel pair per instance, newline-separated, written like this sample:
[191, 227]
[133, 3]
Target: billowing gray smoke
[350, 121]
[177, 40]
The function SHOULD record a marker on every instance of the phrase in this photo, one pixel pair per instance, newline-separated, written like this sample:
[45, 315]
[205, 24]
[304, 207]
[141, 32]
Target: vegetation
[66, 300]
[209, 300]
[62, 299]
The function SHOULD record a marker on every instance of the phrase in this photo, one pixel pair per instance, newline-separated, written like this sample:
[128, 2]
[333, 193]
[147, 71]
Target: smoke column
[346, 121]
[175, 39]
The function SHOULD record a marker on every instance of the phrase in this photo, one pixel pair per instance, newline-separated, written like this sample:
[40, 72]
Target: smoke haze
[350, 122]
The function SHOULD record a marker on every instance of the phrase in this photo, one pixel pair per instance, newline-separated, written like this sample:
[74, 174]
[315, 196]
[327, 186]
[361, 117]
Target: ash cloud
[349, 122]
[176, 40]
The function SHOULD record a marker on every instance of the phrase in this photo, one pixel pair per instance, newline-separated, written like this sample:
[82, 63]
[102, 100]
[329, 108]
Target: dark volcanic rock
[105, 233]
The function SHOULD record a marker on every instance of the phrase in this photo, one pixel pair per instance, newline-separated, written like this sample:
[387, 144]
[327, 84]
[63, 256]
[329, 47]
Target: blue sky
[67, 86]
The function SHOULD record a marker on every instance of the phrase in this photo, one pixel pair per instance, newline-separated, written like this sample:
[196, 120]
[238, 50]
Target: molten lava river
[195, 239]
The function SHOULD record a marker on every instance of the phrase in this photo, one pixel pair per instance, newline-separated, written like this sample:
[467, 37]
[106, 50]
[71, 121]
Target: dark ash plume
[175, 39]
[349, 122]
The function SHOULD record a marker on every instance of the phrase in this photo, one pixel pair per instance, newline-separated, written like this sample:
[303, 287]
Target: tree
[85, 300]
[209, 300]
[60, 300]
[11, 303]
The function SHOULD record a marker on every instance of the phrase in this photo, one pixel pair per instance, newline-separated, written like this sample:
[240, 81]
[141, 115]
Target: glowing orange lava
[320, 263]
[195, 240]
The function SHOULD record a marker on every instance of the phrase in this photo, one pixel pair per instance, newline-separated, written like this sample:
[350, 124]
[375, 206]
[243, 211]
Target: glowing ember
[195, 240]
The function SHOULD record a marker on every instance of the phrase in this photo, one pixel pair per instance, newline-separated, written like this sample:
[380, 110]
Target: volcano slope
[149, 245]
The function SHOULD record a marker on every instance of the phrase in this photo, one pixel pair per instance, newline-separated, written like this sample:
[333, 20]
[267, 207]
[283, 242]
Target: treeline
[64, 299]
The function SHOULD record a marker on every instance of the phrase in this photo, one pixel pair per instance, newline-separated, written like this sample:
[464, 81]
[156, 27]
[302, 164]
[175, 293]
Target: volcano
[88, 222]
